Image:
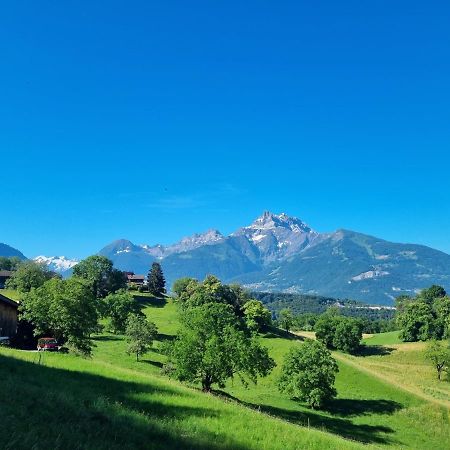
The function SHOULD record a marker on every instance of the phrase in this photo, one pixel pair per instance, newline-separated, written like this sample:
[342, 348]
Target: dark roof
[6, 273]
[136, 277]
[8, 301]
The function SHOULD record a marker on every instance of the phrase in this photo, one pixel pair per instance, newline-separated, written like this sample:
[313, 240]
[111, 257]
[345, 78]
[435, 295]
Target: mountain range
[58, 264]
[279, 253]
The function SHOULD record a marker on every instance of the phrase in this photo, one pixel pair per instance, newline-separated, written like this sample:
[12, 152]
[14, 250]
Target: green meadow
[109, 401]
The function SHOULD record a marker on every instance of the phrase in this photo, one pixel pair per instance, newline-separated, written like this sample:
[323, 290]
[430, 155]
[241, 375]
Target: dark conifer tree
[156, 281]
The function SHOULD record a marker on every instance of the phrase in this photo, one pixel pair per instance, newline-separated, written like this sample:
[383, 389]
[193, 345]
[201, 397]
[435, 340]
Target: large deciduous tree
[118, 306]
[257, 317]
[29, 275]
[286, 319]
[99, 271]
[338, 332]
[308, 374]
[64, 309]
[211, 348]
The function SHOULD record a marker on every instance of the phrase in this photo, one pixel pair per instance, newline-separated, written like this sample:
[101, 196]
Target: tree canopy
[64, 309]
[256, 315]
[118, 306]
[211, 348]
[29, 275]
[9, 263]
[99, 271]
[339, 332]
[308, 374]
[425, 317]
[286, 319]
[439, 355]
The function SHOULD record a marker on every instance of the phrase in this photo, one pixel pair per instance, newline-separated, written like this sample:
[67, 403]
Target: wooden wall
[8, 320]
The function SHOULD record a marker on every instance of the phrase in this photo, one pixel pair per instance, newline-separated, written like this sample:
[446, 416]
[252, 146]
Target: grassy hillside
[111, 402]
[114, 402]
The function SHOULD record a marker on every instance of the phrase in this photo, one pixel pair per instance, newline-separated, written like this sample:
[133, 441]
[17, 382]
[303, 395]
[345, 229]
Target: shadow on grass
[152, 363]
[348, 407]
[145, 301]
[89, 411]
[165, 337]
[104, 338]
[374, 350]
[367, 434]
[277, 333]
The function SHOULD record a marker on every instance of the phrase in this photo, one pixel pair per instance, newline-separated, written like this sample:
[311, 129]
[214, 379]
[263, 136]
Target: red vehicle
[47, 344]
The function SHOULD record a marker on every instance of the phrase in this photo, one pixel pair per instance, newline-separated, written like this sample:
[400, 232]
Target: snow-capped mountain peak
[277, 235]
[270, 220]
[211, 236]
[57, 264]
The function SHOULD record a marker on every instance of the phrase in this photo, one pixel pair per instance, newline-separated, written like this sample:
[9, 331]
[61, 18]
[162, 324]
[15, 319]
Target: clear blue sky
[151, 120]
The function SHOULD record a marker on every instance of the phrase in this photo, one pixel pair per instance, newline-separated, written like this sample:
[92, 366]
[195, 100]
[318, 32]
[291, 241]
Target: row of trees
[70, 309]
[424, 317]
[336, 332]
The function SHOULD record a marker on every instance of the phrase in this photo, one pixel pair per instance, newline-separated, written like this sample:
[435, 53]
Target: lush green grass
[389, 338]
[111, 402]
[405, 365]
[367, 409]
[114, 402]
[67, 402]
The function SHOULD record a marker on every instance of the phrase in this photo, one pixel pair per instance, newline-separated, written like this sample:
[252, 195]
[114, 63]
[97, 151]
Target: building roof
[6, 273]
[8, 301]
[136, 277]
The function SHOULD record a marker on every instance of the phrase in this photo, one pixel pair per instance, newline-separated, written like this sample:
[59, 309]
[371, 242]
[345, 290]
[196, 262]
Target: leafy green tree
[211, 290]
[9, 263]
[432, 293]
[417, 322]
[140, 335]
[325, 329]
[180, 285]
[338, 332]
[439, 356]
[441, 308]
[210, 348]
[118, 307]
[306, 321]
[64, 309]
[29, 275]
[257, 317]
[286, 319]
[347, 335]
[308, 374]
[156, 281]
[99, 271]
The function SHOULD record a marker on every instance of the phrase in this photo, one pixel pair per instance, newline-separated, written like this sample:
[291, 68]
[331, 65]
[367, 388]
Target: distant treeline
[305, 304]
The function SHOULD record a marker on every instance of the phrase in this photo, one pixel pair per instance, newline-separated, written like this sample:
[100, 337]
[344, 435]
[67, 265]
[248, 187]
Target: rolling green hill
[113, 402]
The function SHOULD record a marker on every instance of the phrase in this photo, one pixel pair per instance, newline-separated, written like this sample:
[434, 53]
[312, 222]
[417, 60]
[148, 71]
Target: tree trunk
[206, 384]
[137, 356]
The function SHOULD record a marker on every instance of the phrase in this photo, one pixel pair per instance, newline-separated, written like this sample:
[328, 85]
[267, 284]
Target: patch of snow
[370, 274]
